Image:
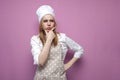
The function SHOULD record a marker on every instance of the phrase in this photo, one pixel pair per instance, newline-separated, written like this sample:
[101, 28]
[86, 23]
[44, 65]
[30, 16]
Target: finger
[46, 32]
[53, 28]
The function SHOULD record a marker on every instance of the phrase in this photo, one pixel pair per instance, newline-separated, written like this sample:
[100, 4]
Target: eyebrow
[48, 20]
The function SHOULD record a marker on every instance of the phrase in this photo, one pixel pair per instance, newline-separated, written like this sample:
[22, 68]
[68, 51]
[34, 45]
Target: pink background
[94, 24]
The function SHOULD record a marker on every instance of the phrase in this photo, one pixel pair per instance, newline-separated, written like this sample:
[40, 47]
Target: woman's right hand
[50, 35]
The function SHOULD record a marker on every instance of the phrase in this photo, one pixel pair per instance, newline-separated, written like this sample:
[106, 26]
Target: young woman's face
[48, 22]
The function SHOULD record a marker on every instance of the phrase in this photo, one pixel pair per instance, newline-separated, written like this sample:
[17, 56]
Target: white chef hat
[43, 10]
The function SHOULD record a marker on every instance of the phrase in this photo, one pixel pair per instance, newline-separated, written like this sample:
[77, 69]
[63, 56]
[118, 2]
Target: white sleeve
[78, 50]
[36, 48]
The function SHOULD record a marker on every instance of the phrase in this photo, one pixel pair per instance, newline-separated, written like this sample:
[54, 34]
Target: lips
[48, 28]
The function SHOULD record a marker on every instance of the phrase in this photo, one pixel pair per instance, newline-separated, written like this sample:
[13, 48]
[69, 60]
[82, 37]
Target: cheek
[53, 24]
[44, 26]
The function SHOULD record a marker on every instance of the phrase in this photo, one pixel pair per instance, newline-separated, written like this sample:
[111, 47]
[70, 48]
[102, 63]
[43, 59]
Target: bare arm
[45, 51]
[44, 54]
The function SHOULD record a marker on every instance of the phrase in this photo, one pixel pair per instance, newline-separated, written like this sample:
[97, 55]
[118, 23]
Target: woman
[49, 48]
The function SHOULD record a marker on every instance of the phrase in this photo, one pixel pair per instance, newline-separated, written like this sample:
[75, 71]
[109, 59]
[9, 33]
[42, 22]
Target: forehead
[48, 16]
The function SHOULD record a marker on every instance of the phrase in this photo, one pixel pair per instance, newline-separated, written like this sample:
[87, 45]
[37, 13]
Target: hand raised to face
[50, 35]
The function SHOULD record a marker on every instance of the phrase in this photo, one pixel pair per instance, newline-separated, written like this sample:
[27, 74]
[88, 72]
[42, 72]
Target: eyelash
[48, 20]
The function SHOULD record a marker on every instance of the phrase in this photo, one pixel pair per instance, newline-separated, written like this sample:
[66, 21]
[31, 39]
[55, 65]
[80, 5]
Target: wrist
[49, 40]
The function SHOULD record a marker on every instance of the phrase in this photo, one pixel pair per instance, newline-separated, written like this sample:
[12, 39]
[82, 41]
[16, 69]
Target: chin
[48, 30]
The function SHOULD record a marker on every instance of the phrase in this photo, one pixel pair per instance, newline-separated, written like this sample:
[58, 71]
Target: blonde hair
[42, 34]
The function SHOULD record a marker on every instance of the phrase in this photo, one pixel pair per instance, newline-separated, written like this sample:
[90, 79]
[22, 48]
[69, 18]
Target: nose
[49, 23]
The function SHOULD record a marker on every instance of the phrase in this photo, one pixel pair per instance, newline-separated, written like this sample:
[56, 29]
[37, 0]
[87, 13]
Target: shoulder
[35, 38]
[61, 36]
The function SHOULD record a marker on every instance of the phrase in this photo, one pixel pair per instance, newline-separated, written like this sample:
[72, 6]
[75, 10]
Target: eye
[45, 20]
[51, 20]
